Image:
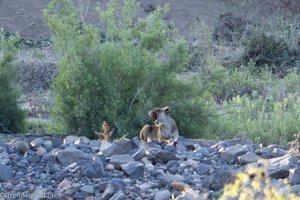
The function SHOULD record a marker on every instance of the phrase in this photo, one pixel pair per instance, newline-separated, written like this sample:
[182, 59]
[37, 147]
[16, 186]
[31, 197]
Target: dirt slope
[25, 16]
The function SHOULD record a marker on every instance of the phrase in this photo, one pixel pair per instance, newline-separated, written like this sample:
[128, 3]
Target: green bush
[11, 116]
[119, 78]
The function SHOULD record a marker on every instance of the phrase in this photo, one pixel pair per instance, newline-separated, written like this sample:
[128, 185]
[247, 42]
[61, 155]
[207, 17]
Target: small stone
[162, 195]
[64, 184]
[118, 160]
[181, 147]
[294, 176]
[5, 172]
[133, 169]
[21, 146]
[88, 189]
[231, 153]
[118, 196]
[203, 169]
[4, 157]
[41, 151]
[34, 159]
[248, 158]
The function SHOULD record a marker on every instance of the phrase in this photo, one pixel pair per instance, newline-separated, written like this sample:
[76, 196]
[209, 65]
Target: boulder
[248, 158]
[41, 151]
[5, 172]
[294, 176]
[37, 142]
[278, 167]
[118, 160]
[165, 156]
[138, 154]
[94, 169]
[219, 179]
[231, 153]
[82, 140]
[69, 156]
[70, 139]
[21, 146]
[134, 169]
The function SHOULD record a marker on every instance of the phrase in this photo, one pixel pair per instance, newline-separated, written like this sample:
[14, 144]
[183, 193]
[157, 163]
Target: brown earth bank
[57, 167]
[25, 16]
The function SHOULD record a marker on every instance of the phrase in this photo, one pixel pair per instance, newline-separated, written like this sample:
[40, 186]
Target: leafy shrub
[261, 119]
[11, 116]
[118, 79]
[265, 50]
[254, 184]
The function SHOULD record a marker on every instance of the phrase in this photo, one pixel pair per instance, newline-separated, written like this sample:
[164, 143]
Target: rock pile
[80, 168]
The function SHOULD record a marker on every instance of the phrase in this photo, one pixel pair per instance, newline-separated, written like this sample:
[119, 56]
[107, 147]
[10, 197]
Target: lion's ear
[167, 109]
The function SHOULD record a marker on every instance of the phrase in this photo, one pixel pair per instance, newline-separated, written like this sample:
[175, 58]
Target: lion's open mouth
[153, 115]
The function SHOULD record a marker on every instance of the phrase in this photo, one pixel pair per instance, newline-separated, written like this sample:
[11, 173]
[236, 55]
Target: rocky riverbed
[53, 167]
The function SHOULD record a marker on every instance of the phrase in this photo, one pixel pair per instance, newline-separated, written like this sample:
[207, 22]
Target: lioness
[164, 128]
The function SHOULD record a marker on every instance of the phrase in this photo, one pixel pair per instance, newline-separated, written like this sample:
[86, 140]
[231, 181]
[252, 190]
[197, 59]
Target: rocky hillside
[55, 167]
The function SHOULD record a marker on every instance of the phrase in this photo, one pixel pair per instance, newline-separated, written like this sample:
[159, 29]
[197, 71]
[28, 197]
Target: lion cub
[164, 128]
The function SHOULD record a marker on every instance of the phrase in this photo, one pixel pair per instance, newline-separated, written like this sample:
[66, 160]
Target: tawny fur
[164, 128]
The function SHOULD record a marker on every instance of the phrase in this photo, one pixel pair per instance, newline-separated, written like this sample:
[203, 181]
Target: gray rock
[231, 153]
[21, 146]
[94, 169]
[41, 151]
[69, 156]
[133, 169]
[82, 140]
[37, 142]
[88, 189]
[294, 176]
[167, 179]
[162, 195]
[138, 154]
[248, 158]
[107, 148]
[264, 153]
[118, 196]
[34, 159]
[180, 147]
[278, 152]
[295, 189]
[70, 139]
[49, 145]
[4, 157]
[60, 176]
[165, 156]
[95, 144]
[205, 151]
[278, 167]
[203, 169]
[5, 172]
[219, 178]
[124, 145]
[118, 160]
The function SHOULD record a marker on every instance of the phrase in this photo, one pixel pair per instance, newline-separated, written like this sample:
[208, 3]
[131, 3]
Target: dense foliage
[120, 76]
[11, 116]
